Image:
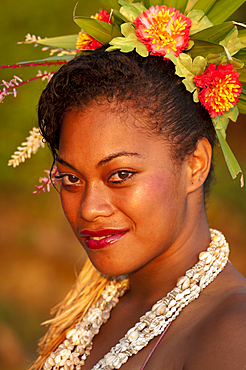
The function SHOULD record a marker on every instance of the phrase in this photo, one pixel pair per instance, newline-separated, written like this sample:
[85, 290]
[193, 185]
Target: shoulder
[221, 338]
[229, 316]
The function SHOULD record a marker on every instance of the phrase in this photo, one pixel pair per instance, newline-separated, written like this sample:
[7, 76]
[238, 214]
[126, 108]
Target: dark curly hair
[149, 86]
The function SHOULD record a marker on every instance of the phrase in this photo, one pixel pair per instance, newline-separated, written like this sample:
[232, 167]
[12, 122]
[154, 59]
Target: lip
[108, 237]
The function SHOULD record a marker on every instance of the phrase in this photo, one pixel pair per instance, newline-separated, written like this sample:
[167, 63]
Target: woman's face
[121, 192]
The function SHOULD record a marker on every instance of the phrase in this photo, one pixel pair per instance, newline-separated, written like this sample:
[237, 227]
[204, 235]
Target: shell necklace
[72, 353]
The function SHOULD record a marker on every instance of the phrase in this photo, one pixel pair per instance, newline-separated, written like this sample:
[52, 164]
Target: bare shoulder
[221, 336]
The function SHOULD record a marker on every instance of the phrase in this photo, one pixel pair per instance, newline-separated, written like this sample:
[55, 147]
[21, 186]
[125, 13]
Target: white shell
[109, 359]
[202, 281]
[181, 280]
[179, 296]
[186, 291]
[206, 257]
[58, 359]
[216, 238]
[161, 310]
[201, 272]
[156, 305]
[133, 335]
[169, 314]
[141, 325]
[172, 303]
[51, 361]
[71, 333]
[65, 353]
[186, 284]
[105, 315]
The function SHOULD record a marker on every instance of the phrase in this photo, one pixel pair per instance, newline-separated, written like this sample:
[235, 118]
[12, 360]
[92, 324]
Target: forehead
[99, 131]
[106, 116]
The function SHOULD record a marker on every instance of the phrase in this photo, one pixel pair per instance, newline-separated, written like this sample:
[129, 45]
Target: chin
[111, 271]
[114, 277]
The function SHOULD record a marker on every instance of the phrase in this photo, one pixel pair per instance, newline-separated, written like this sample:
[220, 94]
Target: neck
[159, 276]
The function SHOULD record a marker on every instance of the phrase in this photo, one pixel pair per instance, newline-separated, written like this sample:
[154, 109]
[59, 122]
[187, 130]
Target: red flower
[220, 88]
[85, 41]
[163, 30]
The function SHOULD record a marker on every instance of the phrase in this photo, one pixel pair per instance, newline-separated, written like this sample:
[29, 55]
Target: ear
[199, 165]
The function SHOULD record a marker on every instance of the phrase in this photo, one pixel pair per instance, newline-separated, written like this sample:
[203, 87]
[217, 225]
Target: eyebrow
[64, 163]
[116, 155]
[103, 161]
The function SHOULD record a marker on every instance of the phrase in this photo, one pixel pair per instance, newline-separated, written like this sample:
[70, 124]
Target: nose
[95, 203]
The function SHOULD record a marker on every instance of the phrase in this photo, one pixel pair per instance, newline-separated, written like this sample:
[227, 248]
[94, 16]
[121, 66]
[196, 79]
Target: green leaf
[178, 4]
[238, 63]
[220, 58]
[233, 114]
[242, 72]
[64, 42]
[199, 21]
[119, 17]
[188, 68]
[204, 48]
[223, 9]
[147, 3]
[196, 66]
[131, 11]
[154, 2]
[242, 107]
[190, 45]
[242, 36]
[214, 34]
[107, 5]
[190, 5]
[50, 59]
[232, 43]
[242, 102]
[127, 29]
[141, 49]
[134, 6]
[214, 58]
[129, 42]
[101, 31]
[221, 123]
[230, 159]
[203, 5]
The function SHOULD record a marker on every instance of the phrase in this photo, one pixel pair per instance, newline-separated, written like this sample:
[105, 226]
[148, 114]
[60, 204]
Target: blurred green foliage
[38, 251]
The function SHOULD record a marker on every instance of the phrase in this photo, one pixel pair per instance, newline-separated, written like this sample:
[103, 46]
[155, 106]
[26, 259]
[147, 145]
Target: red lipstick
[101, 238]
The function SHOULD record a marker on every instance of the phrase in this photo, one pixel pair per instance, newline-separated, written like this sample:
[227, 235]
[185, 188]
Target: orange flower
[163, 30]
[220, 88]
[85, 41]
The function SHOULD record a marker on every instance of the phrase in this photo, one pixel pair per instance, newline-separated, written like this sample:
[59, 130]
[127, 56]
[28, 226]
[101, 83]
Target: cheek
[150, 197]
[70, 206]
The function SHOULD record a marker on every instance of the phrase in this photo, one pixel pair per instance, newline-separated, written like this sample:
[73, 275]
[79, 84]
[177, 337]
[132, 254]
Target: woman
[134, 154]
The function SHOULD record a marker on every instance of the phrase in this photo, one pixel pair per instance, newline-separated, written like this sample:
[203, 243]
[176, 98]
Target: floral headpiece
[209, 55]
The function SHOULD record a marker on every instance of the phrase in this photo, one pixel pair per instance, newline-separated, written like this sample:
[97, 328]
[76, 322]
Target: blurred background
[40, 257]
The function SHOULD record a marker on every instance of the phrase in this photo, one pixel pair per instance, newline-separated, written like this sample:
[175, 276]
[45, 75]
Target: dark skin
[162, 209]
[208, 334]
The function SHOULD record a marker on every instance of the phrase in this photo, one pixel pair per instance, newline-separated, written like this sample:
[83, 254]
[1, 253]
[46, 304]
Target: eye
[120, 176]
[69, 180]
